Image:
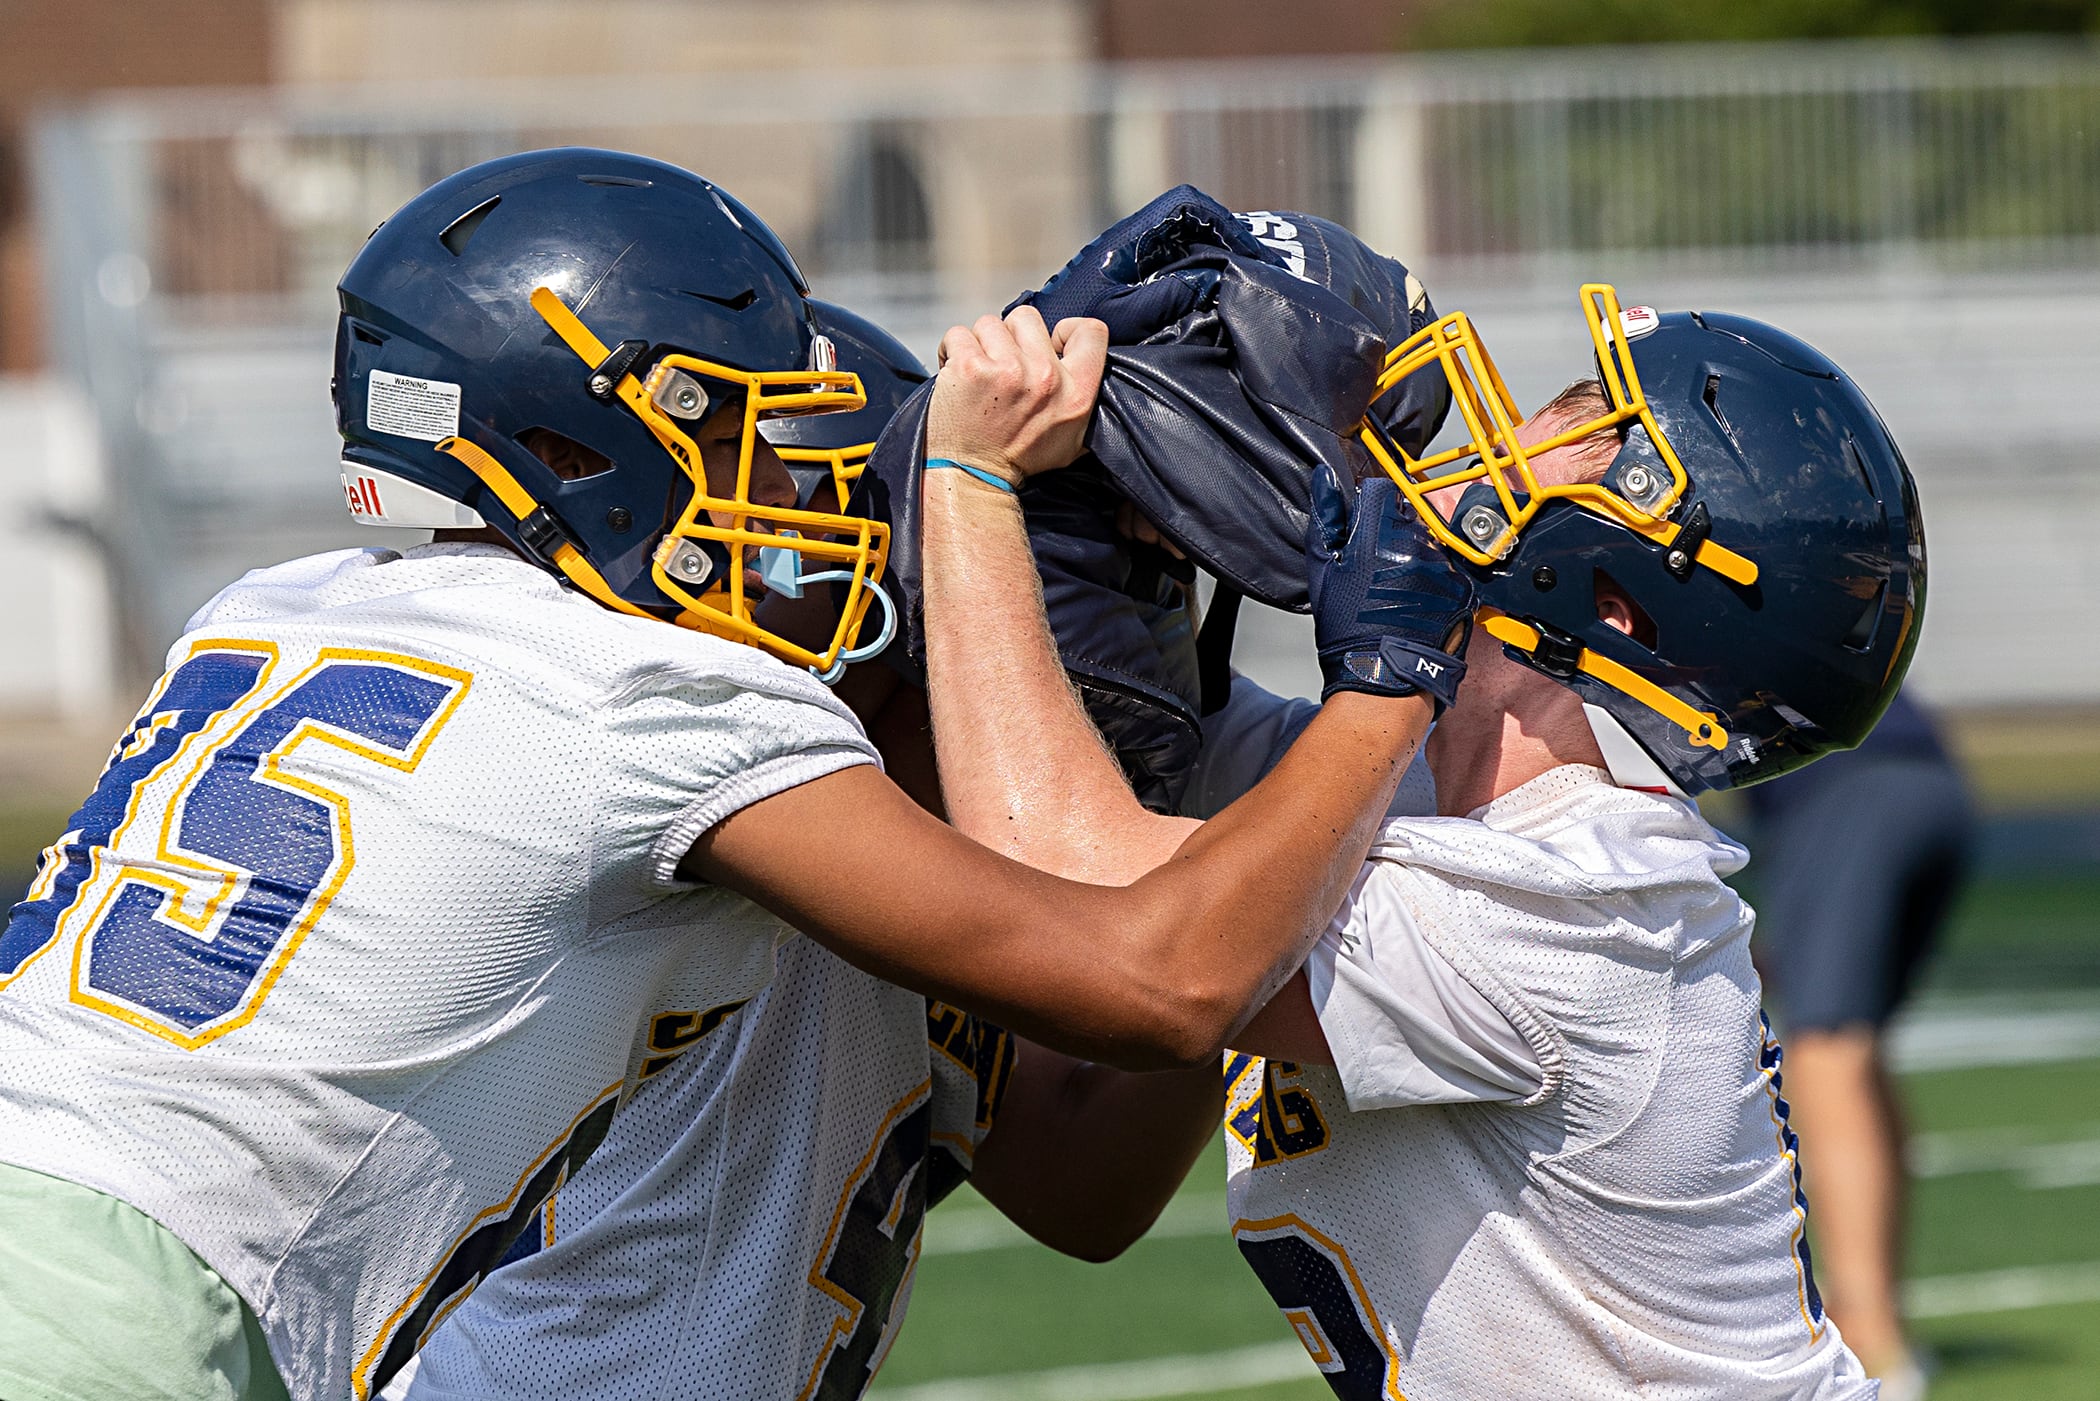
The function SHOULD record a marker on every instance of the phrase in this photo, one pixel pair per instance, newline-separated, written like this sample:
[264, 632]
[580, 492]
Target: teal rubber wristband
[978, 472]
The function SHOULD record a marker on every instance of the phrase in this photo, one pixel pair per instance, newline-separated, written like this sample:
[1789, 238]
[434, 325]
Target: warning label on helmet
[427, 409]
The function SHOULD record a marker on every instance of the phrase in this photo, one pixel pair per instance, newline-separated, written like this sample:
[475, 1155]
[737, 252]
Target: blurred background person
[1857, 860]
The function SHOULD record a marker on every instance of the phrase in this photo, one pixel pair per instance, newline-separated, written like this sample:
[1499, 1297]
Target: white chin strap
[1629, 764]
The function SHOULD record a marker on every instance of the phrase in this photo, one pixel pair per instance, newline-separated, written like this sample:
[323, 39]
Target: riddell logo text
[363, 496]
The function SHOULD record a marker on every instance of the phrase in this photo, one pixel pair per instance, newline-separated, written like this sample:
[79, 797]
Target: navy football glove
[1391, 610]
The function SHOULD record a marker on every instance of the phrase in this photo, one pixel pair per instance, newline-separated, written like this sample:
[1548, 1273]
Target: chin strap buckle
[607, 373]
[541, 531]
[1683, 552]
[1558, 654]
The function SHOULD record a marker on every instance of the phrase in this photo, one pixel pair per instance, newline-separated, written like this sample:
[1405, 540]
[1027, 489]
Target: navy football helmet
[834, 448]
[607, 306]
[1757, 515]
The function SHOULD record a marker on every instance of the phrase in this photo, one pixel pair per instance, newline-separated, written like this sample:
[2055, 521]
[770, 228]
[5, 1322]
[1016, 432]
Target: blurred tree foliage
[1457, 24]
[1974, 165]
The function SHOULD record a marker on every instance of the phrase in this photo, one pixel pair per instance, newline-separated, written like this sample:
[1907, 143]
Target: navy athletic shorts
[1851, 885]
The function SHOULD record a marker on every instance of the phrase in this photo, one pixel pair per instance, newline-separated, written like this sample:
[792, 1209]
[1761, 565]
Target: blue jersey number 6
[1312, 1281]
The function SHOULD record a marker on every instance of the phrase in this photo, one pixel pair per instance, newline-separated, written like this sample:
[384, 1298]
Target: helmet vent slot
[627, 182]
[739, 302]
[460, 232]
[369, 337]
[564, 456]
[1859, 464]
[1711, 397]
[1860, 636]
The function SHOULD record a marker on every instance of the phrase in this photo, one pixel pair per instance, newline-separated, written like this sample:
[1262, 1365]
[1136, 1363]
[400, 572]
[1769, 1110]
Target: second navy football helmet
[835, 447]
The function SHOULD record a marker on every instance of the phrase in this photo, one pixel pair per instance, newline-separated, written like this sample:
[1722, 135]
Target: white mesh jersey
[1632, 1227]
[749, 1227]
[351, 950]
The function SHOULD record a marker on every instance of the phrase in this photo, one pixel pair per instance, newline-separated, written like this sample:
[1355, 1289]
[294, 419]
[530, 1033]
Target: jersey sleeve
[1250, 735]
[1404, 1027]
[972, 1062]
[1241, 743]
[687, 746]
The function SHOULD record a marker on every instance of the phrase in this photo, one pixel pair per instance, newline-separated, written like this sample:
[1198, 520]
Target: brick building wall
[64, 50]
[1214, 29]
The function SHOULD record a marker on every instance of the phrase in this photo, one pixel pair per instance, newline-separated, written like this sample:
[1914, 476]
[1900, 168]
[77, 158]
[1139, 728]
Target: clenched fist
[1014, 397]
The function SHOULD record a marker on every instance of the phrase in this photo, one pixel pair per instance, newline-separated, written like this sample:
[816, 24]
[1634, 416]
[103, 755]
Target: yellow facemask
[1492, 453]
[788, 547]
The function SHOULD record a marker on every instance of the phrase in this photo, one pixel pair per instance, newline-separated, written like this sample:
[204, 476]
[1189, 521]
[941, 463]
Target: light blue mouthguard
[866, 649]
[781, 569]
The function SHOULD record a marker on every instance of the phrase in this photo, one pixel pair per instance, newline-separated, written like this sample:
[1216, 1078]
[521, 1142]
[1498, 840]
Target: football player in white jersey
[750, 1225]
[348, 957]
[1516, 1128]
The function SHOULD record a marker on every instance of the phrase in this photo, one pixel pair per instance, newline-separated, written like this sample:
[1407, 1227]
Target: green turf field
[24, 831]
[2006, 1226]
[2015, 1153]
[2006, 1218]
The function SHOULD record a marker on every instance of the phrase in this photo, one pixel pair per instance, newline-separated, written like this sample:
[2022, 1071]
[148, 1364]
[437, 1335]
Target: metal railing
[1977, 152]
[193, 240]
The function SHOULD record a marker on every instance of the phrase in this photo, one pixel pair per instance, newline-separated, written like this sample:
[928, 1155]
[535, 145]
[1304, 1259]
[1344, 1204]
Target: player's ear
[1616, 610]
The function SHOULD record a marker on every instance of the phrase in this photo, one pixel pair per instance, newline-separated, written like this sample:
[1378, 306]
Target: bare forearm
[1022, 768]
[1153, 975]
[1158, 972]
[1265, 876]
[1059, 1160]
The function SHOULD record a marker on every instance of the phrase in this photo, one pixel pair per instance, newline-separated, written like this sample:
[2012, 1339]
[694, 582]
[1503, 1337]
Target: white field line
[1191, 1374]
[1959, 1034]
[2036, 1163]
[2002, 1291]
[955, 1229]
[1197, 1374]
